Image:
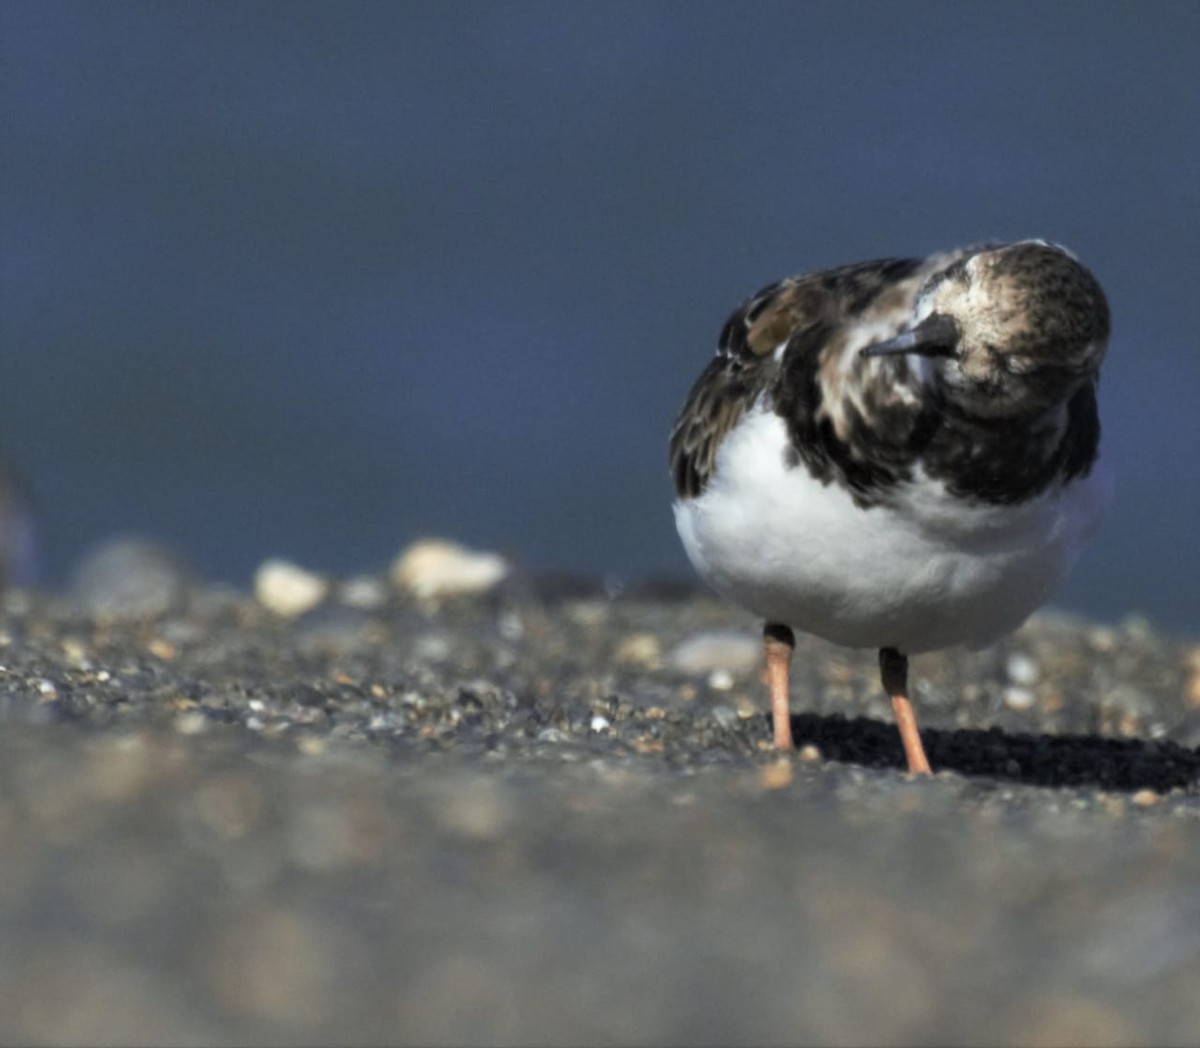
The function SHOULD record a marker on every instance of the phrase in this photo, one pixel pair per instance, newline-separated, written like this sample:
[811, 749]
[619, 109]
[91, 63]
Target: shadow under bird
[901, 454]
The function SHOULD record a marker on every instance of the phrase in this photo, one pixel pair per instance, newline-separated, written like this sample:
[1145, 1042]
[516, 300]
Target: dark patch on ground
[1034, 760]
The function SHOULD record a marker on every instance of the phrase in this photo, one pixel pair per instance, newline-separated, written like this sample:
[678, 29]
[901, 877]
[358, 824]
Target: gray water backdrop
[315, 279]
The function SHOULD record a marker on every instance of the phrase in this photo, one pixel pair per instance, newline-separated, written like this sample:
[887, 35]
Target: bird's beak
[935, 336]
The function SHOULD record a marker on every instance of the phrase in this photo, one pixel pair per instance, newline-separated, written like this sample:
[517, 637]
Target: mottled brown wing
[742, 371]
[798, 313]
[725, 389]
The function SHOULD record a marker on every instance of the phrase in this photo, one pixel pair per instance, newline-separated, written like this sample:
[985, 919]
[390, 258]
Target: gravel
[550, 814]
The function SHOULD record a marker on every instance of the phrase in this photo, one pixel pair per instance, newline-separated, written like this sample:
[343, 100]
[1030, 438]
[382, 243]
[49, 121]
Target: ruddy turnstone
[899, 454]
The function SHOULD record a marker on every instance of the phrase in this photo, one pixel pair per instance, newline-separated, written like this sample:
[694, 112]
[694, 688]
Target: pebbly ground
[548, 815]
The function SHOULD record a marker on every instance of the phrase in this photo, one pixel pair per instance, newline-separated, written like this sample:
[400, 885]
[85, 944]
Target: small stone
[287, 589]
[777, 775]
[191, 723]
[600, 723]
[720, 680]
[75, 651]
[161, 649]
[431, 569]
[809, 753]
[704, 653]
[1145, 798]
[639, 649]
[1021, 669]
[1019, 698]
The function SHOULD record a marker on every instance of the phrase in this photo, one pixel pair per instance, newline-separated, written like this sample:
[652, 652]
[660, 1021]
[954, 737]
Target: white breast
[927, 572]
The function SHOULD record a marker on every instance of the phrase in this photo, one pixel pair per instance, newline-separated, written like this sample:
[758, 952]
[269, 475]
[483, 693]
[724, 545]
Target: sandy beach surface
[548, 814]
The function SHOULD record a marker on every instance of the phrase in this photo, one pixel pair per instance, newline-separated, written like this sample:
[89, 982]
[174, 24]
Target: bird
[901, 455]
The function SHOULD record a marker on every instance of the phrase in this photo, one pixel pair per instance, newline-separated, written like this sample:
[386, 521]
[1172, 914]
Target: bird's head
[1007, 331]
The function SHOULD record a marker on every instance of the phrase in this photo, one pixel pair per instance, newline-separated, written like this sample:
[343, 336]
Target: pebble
[777, 775]
[639, 649]
[1021, 669]
[431, 569]
[131, 579]
[288, 589]
[720, 680]
[708, 652]
[191, 723]
[1019, 698]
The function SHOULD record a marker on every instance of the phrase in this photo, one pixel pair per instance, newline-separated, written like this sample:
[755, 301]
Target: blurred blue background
[316, 279]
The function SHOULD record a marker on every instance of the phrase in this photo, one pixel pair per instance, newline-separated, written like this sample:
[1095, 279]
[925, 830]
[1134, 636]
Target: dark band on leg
[893, 670]
[779, 633]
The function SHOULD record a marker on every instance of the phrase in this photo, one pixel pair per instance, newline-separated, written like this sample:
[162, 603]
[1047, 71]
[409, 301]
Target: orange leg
[778, 642]
[893, 669]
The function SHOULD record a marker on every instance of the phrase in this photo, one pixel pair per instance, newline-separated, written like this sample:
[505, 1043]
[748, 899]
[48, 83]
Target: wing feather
[798, 314]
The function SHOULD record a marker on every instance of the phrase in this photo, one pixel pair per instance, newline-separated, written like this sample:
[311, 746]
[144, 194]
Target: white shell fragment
[287, 589]
[430, 569]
